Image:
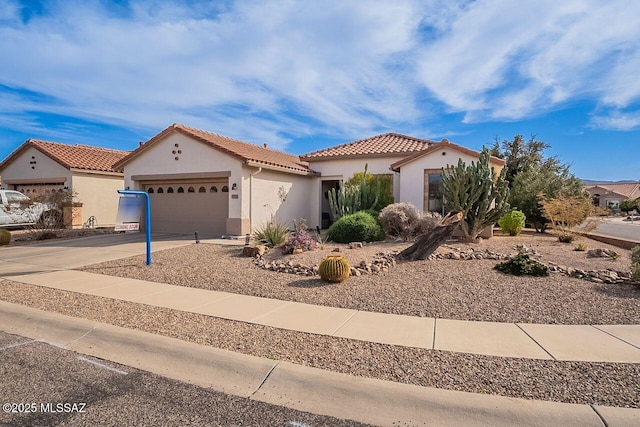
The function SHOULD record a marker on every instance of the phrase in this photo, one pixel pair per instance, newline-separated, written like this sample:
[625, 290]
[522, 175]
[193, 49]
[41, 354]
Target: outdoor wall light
[234, 186]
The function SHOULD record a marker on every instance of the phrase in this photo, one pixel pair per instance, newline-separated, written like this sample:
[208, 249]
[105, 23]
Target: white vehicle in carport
[16, 209]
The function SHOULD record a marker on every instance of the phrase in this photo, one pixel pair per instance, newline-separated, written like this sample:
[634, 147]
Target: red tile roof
[440, 145]
[375, 146]
[83, 157]
[250, 153]
[630, 190]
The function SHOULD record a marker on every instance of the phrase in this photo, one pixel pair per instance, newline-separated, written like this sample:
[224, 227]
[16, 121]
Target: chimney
[140, 143]
[264, 145]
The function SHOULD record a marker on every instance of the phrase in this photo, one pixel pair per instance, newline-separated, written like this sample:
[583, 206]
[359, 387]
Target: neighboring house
[611, 195]
[201, 181]
[43, 167]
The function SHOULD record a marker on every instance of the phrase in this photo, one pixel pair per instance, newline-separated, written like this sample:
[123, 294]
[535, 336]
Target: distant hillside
[595, 182]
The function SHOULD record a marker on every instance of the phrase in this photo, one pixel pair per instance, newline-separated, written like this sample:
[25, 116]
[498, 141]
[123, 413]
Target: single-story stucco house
[205, 182]
[41, 166]
[611, 195]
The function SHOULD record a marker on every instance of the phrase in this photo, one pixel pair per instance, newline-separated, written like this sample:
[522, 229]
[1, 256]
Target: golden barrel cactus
[334, 269]
[5, 237]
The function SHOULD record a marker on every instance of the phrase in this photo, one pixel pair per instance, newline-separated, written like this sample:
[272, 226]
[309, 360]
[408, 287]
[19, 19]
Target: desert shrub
[522, 265]
[272, 234]
[512, 222]
[5, 237]
[581, 247]
[357, 227]
[299, 240]
[404, 221]
[565, 214]
[635, 263]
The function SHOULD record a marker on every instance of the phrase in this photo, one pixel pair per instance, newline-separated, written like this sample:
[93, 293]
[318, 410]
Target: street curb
[299, 387]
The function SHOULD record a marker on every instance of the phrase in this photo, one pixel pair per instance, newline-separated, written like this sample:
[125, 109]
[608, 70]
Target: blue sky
[303, 75]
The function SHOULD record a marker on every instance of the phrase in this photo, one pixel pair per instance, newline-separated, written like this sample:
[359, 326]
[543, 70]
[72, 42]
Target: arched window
[160, 190]
[225, 189]
[150, 190]
[213, 189]
[191, 190]
[202, 190]
[170, 190]
[180, 190]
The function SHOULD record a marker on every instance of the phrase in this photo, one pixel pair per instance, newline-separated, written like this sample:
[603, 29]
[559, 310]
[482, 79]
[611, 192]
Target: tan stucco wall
[195, 157]
[412, 174]
[44, 168]
[266, 202]
[98, 195]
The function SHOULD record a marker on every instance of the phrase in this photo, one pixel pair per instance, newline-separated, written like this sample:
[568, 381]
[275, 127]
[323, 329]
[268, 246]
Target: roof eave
[264, 165]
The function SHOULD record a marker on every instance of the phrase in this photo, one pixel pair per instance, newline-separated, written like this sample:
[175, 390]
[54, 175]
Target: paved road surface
[61, 387]
[619, 228]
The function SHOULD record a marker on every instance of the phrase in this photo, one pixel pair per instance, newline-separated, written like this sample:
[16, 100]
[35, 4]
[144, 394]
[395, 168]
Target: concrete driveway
[74, 253]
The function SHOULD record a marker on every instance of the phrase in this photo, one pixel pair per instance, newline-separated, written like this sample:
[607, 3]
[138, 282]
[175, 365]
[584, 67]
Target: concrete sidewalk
[601, 343]
[322, 392]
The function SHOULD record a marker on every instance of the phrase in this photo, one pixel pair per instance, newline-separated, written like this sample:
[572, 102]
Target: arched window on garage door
[180, 190]
[191, 190]
[225, 189]
[213, 189]
[202, 190]
[160, 190]
[170, 190]
[150, 190]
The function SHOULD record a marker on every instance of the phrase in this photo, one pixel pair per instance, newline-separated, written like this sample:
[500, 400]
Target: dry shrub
[402, 220]
[566, 213]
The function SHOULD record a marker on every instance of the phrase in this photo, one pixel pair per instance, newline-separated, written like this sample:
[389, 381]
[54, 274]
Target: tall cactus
[477, 192]
[353, 198]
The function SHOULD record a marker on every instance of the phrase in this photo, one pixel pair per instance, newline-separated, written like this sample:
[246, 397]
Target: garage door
[186, 207]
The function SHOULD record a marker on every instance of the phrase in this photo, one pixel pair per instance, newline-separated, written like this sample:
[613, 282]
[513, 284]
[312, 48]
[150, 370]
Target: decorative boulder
[252, 251]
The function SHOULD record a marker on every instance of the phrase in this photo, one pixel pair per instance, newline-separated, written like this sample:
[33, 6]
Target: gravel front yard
[451, 289]
[612, 384]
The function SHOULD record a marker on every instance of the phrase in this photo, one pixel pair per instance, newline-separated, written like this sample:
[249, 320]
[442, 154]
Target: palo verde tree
[477, 192]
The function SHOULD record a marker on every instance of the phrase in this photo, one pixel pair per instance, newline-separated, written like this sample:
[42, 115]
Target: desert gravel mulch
[611, 384]
[449, 289]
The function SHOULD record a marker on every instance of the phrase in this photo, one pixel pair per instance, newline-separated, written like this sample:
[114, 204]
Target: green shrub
[522, 265]
[635, 263]
[512, 222]
[272, 234]
[580, 247]
[357, 227]
[5, 237]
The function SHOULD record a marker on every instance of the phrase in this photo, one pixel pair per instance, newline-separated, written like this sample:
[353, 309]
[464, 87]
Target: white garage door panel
[204, 212]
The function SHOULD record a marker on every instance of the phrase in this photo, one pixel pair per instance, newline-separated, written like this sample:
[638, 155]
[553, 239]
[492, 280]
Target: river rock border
[383, 261]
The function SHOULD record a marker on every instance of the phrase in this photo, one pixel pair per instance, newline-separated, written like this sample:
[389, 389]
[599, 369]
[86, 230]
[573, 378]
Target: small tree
[629, 205]
[565, 213]
[512, 222]
[477, 192]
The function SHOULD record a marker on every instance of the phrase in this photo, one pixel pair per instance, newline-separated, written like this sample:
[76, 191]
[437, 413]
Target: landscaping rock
[602, 253]
[355, 245]
[254, 250]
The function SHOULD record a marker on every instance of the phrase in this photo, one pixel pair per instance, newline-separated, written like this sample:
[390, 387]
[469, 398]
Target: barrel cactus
[334, 269]
[5, 237]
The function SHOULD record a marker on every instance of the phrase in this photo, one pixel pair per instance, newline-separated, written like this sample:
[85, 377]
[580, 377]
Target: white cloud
[273, 70]
[510, 60]
[617, 120]
[332, 62]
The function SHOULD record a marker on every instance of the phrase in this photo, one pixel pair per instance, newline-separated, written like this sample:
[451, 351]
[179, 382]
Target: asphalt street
[618, 228]
[44, 385]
